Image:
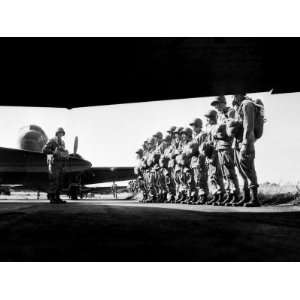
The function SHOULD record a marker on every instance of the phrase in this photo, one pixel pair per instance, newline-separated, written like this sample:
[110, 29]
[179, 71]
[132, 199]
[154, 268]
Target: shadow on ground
[85, 232]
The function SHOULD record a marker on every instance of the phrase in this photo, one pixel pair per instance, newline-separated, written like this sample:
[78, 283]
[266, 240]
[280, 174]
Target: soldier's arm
[248, 124]
[50, 147]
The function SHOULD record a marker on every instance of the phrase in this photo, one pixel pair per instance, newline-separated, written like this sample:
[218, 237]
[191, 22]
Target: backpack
[259, 118]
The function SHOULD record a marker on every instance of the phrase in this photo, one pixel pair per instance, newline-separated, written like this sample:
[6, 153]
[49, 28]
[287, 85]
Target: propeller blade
[75, 145]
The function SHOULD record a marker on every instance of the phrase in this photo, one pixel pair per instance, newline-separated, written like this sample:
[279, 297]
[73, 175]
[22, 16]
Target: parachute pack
[259, 118]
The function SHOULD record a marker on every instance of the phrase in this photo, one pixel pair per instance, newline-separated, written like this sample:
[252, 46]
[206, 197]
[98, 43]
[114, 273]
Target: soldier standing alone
[56, 158]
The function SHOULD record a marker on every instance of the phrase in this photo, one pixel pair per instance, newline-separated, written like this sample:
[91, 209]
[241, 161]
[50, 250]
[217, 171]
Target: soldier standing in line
[140, 174]
[226, 152]
[56, 158]
[245, 149]
[151, 173]
[177, 150]
[170, 177]
[164, 179]
[186, 178]
[198, 164]
[215, 177]
[158, 149]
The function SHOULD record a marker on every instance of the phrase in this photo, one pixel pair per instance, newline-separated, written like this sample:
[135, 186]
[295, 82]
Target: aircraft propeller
[75, 145]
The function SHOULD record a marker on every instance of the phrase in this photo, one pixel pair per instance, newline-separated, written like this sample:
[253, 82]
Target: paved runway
[125, 230]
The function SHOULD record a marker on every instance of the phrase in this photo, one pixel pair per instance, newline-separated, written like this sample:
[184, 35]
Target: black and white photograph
[139, 160]
[208, 178]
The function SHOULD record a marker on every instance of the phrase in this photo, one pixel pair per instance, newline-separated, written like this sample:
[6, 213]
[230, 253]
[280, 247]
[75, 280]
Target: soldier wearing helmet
[56, 158]
[225, 151]
[158, 138]
[157, 177]
[244, 149]
[198, 164]
[140, 172]
[215, 177]
[185, 176]
[175, 169]
[171, 130]
[177, 137]
[169, 153]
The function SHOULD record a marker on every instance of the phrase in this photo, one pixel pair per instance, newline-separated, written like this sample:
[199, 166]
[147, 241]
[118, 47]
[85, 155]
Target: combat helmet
[211, 114]
[158, 135]
[171, 129]
[188, 131]
[60, 130]
[197, 122]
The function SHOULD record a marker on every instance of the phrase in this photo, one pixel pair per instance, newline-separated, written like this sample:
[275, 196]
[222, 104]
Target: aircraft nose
[88, 164]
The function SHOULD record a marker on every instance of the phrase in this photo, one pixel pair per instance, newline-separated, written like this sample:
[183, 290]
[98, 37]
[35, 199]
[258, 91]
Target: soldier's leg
[171, 190]
[202, 180]
[237, 161]
[152, 188]
[246, 191]
[183, 186]
[216, 180]
[195, 191]
[190, 187]
[233, 189]
[177, 185]
[59, 182]
[247, 164]
[52, 186]
[55, 183]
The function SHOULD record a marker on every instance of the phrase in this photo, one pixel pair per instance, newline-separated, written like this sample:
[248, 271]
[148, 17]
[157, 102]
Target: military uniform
[199, 170]
[170, 175]
[176, 168]
[140, 172]
[226, 158]
[245, 152]
[215, 177]
[186, 180]
[56, 147]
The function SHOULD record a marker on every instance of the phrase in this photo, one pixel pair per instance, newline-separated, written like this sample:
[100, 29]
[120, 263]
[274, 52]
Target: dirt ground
[116, 230]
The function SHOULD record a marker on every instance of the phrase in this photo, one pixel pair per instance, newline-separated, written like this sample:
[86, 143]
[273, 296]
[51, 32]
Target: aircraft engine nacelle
[32, 138]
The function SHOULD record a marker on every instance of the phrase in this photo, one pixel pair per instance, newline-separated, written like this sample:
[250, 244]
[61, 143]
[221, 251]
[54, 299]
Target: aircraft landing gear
[74, 192]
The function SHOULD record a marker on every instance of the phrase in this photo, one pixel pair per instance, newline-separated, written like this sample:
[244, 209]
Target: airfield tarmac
[125, 230]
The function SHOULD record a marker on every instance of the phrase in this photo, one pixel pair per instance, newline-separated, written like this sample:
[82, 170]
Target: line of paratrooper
[200, 164]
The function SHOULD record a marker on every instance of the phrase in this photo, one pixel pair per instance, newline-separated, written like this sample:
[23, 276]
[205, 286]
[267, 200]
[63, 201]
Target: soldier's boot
[177, 196]
[202, 200]
[170, 198]
[194, 198]
[254, 202]
[147, 197]
[188, 198]
[234, 198]
[244, 199]
[150, 198]
[164, 196]
[220, 200]
[158, 198]
[228, 199]
[144, 197]
[51, 197]
[214, 199]
[183, 197]
[58, 200]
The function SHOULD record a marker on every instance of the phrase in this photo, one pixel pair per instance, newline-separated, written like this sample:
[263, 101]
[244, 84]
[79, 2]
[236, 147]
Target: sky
[110, 135]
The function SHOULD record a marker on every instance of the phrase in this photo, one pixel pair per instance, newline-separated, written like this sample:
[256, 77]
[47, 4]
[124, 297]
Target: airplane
[27, 166]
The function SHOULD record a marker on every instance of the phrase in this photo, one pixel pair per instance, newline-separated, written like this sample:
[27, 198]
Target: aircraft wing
[30, 168]
[108, 174]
